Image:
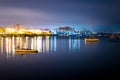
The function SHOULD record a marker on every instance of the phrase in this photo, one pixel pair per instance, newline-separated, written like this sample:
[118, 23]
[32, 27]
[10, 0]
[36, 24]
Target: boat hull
[20, 50]
[91, 40]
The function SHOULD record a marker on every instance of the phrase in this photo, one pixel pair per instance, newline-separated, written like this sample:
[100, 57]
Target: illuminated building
[19, 27]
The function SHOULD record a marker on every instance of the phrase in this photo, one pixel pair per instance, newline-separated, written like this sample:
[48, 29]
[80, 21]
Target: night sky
[56, 13]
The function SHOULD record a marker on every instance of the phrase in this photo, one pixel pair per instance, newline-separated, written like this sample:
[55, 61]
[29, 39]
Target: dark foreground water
[59, 59]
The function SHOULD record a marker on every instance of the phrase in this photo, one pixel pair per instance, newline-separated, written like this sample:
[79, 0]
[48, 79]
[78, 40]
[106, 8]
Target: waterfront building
[19, 27]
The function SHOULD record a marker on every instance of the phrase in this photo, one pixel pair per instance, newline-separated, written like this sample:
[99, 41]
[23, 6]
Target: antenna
[92, 23]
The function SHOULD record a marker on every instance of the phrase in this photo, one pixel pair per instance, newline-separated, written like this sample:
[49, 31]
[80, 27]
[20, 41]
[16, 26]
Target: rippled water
[58, 58]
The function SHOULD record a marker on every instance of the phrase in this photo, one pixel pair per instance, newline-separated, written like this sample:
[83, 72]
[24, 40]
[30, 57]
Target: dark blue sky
[55, 13]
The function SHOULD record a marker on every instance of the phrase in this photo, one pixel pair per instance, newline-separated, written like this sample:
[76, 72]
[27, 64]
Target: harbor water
[58, 58]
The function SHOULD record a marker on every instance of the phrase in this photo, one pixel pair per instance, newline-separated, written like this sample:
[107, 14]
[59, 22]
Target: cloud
[23, 15]
[12, 15]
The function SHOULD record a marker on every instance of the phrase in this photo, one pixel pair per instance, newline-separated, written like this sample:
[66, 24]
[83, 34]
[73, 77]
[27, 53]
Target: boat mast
[92, 23]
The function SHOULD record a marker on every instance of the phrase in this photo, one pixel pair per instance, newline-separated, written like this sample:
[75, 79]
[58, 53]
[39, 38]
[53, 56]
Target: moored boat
[91, 40]
[26, 50]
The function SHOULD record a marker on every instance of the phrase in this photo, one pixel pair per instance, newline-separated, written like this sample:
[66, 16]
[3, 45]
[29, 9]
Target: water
[58, 58]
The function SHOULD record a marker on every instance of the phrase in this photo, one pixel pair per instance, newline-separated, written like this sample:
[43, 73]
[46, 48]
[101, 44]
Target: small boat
[26, 50]
[91, 40]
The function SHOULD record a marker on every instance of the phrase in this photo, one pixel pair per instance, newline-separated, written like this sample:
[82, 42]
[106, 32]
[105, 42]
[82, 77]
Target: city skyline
[54, 13]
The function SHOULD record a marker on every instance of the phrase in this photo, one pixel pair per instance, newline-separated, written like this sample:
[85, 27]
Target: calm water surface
[58, 58]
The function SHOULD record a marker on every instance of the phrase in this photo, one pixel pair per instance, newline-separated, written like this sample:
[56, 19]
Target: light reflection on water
[67, 56]
[74, 44]
[1, 45]
[42, 44]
